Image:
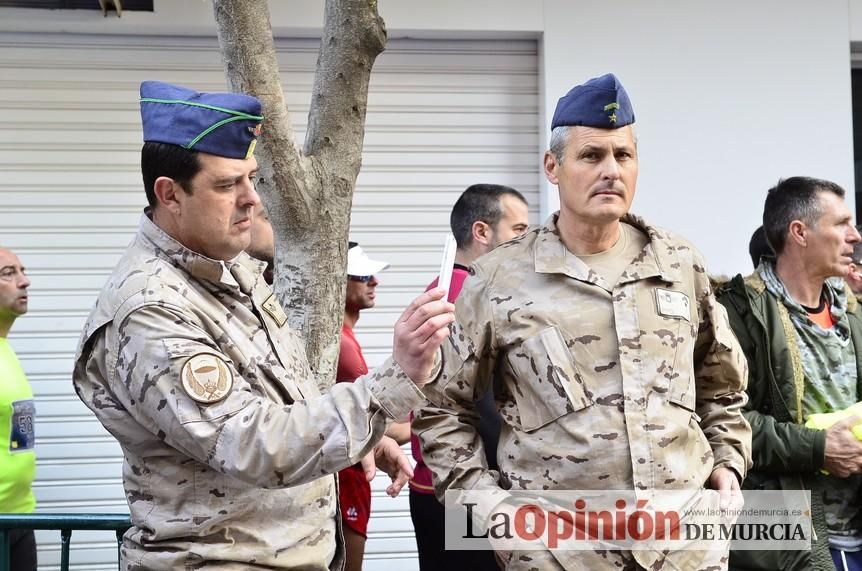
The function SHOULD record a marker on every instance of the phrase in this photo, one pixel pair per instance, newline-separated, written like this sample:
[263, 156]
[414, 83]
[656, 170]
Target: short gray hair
[560, 138]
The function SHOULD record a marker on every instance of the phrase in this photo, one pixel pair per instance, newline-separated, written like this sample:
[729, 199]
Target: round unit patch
[206, 378]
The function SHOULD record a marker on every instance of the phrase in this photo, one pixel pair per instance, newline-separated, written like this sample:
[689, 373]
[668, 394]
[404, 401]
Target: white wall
[728, 98]
[855, 20]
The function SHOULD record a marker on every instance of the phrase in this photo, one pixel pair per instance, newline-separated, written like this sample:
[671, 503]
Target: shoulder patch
[206, 378]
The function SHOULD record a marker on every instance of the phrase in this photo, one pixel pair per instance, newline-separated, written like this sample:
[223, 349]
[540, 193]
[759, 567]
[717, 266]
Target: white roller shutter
[442, 115]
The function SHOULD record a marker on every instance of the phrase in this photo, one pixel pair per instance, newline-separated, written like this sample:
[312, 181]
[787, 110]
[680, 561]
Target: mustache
[607, 186]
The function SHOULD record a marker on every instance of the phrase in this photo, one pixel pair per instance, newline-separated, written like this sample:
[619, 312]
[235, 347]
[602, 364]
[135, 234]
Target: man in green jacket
[801, 331]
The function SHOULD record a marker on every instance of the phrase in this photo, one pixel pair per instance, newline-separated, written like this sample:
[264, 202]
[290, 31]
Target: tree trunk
[308, 194]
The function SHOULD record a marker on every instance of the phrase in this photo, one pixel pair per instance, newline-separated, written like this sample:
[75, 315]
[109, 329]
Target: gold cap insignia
[206, 378]
[612, 107]
[251, 147]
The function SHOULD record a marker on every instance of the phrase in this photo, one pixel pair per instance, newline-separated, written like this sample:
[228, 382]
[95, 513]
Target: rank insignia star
[612, 107]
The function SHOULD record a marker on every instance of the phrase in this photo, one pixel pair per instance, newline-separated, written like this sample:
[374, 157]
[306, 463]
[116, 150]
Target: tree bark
[308, 194]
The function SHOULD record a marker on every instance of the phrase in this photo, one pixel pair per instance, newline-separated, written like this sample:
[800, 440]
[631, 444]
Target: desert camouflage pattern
[636, 386]
[240, 476]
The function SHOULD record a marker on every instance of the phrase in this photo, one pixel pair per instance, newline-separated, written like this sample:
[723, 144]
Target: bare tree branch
[353, 36]
[251, 66]
[309, 194]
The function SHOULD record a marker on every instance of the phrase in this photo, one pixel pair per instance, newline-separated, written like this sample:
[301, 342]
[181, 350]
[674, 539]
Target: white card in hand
[447, 264]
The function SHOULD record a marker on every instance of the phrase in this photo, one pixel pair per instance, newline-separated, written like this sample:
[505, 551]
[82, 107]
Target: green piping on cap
[238, 114]
[212, 128]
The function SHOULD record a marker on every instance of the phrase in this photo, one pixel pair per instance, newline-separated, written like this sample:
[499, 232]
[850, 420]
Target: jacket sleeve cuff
[393, 389]
[739, 476]
[733, 461]
[818, 449]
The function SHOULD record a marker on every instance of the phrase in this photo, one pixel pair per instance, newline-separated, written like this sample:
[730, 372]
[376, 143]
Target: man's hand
[843, 455]
[724, 481]
[391, 459]
[419, 332]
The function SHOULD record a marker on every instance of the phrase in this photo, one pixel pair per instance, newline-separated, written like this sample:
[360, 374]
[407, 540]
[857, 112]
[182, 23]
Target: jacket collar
[199, 266]
[658, 258]
[756, 283]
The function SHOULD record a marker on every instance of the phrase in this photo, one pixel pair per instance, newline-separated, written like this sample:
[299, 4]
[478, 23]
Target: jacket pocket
[681, 389]
[546, 383]
[667, 324]
[678, 334]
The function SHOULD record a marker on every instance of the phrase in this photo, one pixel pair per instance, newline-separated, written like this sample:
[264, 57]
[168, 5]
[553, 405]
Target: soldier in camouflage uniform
[186, 359]
[614, 366]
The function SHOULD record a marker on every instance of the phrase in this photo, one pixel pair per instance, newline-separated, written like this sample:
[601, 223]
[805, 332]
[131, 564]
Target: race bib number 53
[23, 434]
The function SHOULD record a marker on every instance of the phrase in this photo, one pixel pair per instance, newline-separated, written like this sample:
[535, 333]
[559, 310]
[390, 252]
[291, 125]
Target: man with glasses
[354, 493]
[17, 435]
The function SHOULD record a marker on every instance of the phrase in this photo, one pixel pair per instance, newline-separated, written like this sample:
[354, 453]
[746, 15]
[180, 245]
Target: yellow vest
[17, 454]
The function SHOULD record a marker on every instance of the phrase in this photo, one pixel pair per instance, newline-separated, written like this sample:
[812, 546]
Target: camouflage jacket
[229, 447]
[636, 386]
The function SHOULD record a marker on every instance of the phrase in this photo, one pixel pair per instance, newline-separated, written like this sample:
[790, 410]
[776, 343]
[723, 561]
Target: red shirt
[822, 315]
[351, 363]
[421, 481]
[354, 491]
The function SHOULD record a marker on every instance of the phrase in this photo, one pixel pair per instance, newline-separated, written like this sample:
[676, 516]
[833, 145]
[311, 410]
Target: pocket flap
[546, 382]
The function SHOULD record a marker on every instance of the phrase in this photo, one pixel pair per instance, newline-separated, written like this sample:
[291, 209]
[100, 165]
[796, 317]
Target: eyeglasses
[363, 279]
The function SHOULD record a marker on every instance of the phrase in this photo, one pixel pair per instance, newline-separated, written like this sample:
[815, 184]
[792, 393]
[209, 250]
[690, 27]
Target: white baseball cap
[359, 264]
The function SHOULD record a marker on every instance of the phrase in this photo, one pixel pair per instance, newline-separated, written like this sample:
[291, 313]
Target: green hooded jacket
[786, 454]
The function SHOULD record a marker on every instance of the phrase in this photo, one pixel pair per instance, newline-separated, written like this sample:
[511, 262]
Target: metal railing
[65, 523]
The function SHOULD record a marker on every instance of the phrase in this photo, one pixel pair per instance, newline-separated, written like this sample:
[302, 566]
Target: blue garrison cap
[224, 124]
[601, 102]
